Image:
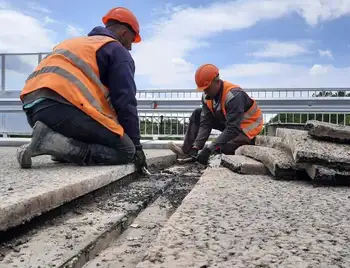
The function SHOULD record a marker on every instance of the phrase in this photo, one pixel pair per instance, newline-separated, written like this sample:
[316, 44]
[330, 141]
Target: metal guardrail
[165, 112]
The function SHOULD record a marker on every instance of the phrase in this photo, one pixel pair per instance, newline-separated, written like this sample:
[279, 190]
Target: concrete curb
[147, 144]
[17, 208]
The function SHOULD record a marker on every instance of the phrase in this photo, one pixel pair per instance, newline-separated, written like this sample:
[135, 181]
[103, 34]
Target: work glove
[204, 155]
[140, 159]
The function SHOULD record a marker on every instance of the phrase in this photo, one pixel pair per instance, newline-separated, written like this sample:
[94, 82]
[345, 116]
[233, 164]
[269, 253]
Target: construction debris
[244, 165]
[279, 163]
[297, 154]
[328, 131]
[306, 149]
[267, 141]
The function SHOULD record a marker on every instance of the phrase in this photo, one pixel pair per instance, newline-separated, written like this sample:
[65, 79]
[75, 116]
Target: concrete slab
[25, 194]
[321, 173]
[328, 131]
[84, 228]
[266, 141]
[280, 164]
[247, 221]
[309, 150]
[244, 165]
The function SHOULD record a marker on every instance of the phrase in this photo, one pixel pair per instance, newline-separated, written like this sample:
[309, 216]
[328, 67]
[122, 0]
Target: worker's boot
[177, 150]
[57, 159]
[45, 141]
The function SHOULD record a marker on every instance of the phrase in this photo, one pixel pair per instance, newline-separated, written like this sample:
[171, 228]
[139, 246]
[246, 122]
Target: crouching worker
[81, 99]
[225, 107]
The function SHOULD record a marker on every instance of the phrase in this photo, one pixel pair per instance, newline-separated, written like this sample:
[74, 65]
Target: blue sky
[255, 43]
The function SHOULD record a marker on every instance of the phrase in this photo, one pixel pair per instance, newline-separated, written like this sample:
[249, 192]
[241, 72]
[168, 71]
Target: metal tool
[186, 160]
[145, 170]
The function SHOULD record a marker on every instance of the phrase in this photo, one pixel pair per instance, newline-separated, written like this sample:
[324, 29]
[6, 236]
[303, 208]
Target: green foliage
[162, 126]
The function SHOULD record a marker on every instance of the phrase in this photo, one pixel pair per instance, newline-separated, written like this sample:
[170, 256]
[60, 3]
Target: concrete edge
[31, 207]
[147, 144]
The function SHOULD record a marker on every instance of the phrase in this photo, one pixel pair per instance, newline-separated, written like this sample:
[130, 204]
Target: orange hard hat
[205, 75]
[124, 15]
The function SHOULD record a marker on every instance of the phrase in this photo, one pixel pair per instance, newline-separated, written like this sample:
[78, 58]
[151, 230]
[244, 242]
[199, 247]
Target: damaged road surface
[77, 234]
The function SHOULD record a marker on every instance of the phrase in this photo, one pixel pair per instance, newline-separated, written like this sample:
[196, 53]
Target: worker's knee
[129, 153]
[196, 115]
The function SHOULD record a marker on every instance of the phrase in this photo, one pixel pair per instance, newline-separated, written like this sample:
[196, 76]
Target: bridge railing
[165, 112]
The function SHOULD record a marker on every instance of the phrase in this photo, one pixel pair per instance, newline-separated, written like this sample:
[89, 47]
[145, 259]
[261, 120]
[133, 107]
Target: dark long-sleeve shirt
[117, 69]
[236, 105]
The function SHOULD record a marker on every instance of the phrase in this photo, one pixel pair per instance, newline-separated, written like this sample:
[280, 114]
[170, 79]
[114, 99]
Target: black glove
[203, 156]
[193, 152]
[140, 159]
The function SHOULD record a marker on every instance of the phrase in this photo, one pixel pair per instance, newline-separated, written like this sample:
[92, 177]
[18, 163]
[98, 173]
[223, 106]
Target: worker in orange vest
[81, 99]
[225, 107]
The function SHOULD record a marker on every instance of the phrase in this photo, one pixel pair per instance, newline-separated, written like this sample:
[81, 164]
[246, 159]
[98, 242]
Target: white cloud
[48, 20]
[277, 49]
[185, 29]
[269, 74]
[325, 53]
[26, 34]
[318, 69]
[35, 6]
[73, 31]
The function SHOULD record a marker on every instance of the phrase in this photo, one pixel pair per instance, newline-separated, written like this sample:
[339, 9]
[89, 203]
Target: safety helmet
[124, 15]
[205, 75]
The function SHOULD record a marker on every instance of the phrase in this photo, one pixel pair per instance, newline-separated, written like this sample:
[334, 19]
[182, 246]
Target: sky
[255, 43]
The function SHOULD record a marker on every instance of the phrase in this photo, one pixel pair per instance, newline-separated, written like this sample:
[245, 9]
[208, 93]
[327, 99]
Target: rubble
[306, 149]
[267, 141]
[279, 163]
[321, 173]
[244, 165]
[328, 131]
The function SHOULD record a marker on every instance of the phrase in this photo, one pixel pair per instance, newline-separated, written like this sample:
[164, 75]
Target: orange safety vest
[71, 70]
[252, 122]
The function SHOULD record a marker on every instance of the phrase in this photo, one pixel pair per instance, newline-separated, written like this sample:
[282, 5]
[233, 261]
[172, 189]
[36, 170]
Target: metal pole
[3, 68]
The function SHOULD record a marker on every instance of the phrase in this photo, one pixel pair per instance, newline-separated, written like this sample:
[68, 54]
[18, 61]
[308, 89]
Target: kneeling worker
[225, 107]
[81, 99]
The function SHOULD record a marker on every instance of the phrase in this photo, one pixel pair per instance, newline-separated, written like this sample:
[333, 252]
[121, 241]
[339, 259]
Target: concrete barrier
[25, 194]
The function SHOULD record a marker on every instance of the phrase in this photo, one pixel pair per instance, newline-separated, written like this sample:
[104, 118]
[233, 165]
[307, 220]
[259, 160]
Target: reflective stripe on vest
[86, 69]
[252, 121]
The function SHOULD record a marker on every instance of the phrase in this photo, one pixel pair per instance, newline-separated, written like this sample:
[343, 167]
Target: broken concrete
[305, 149]
[244, 165]
[328, 131]
[279, 163]
[243, 221]
[128, 250]
[84, 228]
[25, 194]
[321, 173]
[266, 141]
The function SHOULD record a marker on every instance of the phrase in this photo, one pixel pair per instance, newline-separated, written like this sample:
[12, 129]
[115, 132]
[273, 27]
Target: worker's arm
[234, 116]
[206, 125]
[117, 74]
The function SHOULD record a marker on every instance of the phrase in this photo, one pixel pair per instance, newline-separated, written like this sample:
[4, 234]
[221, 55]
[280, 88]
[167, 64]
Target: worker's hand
[140, 159]
[204, 155]
[193, 152]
